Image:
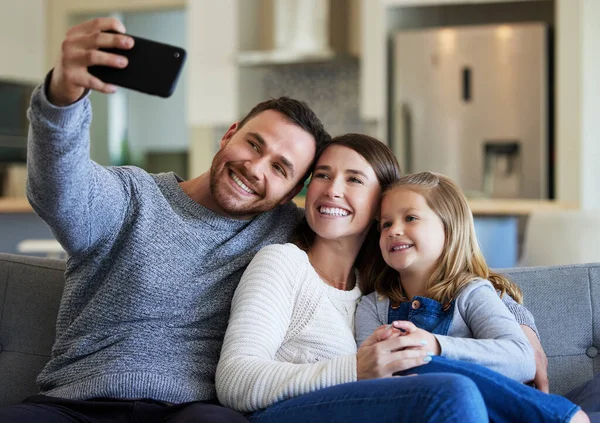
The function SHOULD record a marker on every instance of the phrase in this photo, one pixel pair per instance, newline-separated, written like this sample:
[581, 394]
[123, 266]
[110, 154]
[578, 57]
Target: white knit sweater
[289, 333]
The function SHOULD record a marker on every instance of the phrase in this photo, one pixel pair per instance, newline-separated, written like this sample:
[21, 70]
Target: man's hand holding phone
[79, 50]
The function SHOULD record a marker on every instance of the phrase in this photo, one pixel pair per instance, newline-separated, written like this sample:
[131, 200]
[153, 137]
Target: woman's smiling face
[343, 195]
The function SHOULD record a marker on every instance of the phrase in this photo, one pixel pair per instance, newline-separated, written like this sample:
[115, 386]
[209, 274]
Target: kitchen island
[503, 207]
[480, 207]
[499, 224]
[14, 205]
[19, 223]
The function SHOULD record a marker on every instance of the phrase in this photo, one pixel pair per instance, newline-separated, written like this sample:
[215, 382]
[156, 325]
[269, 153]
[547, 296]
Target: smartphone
[153, 67]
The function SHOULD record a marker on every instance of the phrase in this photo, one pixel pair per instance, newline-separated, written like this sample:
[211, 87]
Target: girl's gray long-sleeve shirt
[483, 330]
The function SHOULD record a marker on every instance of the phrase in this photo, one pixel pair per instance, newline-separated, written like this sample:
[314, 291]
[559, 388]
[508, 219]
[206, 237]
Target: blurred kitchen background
[502, 96]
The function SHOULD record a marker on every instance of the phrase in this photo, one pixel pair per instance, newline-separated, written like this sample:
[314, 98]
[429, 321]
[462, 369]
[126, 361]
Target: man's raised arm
[81, 201]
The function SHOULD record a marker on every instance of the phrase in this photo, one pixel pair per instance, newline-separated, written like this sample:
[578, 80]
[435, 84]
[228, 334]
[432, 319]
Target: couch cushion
[30, 292]
[565, 301]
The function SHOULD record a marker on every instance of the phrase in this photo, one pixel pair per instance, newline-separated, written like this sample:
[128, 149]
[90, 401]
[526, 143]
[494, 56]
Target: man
[154, 260]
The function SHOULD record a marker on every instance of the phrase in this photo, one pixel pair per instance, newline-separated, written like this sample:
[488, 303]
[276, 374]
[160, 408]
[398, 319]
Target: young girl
[439, 288]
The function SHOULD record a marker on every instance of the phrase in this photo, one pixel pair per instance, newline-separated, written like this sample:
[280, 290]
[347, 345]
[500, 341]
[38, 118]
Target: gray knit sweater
[151, 273]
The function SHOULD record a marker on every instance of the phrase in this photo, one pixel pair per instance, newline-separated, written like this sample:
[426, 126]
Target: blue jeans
[429, 398]
[444, 391]
[506, 400]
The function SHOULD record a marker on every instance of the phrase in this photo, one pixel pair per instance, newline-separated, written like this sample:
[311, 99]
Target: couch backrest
[30, 292]
[563, 299]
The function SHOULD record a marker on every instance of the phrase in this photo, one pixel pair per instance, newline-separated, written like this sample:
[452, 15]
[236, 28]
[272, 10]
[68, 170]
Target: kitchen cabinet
[274, 32]
[497, 225]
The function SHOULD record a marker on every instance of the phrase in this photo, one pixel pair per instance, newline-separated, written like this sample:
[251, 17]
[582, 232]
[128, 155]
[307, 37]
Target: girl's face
[343, 195]
[412, 235]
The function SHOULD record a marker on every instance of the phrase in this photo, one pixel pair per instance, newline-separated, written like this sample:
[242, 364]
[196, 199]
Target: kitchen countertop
[495, 207]
[14, 205]
[480, 207]
[503, 207]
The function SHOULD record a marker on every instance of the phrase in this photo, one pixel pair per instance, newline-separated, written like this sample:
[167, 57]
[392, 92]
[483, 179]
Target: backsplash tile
[330, 89]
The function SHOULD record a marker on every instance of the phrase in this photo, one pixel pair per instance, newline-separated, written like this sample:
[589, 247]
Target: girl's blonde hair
[461, 261]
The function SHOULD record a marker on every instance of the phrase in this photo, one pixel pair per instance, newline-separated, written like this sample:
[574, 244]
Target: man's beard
[231, 208]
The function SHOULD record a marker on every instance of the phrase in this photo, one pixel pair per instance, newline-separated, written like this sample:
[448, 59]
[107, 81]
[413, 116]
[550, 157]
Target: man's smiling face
[260, 165]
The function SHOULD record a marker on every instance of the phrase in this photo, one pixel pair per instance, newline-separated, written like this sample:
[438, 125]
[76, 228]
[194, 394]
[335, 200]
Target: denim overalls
[425, 313]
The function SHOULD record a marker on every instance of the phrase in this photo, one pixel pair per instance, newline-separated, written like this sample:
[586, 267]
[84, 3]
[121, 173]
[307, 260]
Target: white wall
[23, 40]
[568, 105]
[155, 123]
[590, 133]
[577, 102]
[212, 62]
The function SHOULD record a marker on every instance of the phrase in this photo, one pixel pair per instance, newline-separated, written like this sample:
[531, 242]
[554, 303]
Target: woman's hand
[80, 49]
[388, 350]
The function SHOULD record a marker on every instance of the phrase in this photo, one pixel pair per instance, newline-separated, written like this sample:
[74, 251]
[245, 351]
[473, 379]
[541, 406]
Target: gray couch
[565, 301]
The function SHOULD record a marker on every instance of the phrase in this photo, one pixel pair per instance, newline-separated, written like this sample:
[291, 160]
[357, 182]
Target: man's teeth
[333, 211]
[241, 184]
[401, 247]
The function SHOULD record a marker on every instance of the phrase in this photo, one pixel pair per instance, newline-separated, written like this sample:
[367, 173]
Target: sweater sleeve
[522, 315]
[249, 376]
[499, 343]
[367, 319]
[81, 201]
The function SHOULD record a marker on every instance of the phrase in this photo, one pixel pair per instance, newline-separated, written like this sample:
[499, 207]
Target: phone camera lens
[176, 55]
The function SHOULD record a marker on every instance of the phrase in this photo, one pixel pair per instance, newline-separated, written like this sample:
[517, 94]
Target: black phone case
[153, 67]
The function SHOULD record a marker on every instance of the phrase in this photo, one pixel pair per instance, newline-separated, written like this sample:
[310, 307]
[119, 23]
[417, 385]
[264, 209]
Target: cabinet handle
[466, 84]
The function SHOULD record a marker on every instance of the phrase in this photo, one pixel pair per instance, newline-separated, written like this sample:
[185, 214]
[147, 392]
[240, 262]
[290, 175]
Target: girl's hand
[388, 351]
[424, 340]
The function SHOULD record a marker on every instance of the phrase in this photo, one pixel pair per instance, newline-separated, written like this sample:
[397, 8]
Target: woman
[291, 328]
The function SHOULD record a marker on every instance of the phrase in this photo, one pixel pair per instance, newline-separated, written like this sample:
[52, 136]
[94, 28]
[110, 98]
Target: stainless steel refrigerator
[472, 102]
